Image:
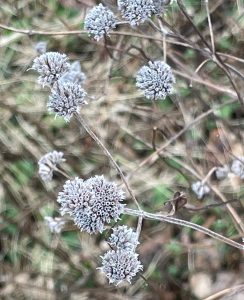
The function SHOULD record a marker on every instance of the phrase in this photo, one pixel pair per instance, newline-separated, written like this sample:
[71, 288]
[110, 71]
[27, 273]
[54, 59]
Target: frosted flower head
[99, 21]
[123, 238]
[51, 66]
[75, 74]
[91, 203]
[48, 163]
[200, 189]
[237, 167]
[65, 99]
[138, 11]
[222, 172]
[155, 80]
[41, 47]
[120, 265]
[159, 6]
[55, 224]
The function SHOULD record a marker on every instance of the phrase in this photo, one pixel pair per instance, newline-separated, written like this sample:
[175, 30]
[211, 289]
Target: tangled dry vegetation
[198, 128]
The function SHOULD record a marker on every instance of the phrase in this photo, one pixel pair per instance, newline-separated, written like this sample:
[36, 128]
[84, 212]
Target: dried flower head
[51, 66]
[120, 265]
[159, 6]
[200, 189]
[222, 172]
[75, 74]
[237, 167]
[91, 203]
[48, 163]
[41, 47]
[99, 21]
[138, 11]
[55, 224]
[123, 238]
[65, 99]
[155, 80]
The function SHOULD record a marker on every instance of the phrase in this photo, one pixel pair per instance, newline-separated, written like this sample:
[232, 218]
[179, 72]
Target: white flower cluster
[91, 203]
[236, 167]
[155, 80]
[55, 224]
[100, 21]
[200, 189]
[65, 81]
[48, 163]
[121, 263]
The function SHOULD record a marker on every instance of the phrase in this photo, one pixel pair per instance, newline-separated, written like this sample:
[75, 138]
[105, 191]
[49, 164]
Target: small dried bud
[48, 163]
[237, 167]
[99, 21]
[222, 172]
[200, 189]
[41, 47]
[91, 203]
[55, 224]
[74, 75]
[51, 66]
[65, 99]
[123, 238]
[155, 80]
[120, 265]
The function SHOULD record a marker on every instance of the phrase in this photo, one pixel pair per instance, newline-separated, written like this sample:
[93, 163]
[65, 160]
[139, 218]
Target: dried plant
[140, 34]
[51, 66]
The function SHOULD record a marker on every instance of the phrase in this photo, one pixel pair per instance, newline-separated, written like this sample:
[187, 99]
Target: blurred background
[179, 263]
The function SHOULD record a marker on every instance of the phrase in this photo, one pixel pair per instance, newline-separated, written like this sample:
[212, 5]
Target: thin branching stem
[108, 154]
[184, 223]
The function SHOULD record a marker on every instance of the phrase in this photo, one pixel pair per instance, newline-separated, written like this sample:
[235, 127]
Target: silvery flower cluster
[155, 80]
[91, 203]
[200, 189]
[138, 11]
[41, 47]
[65, 81]
[50, 66]
[65, 99]
[48, 163]
[121, 263]
[222, 172]
[123, 238]
[55, 224]
[237, 166]
[99, 21]
[74, 75]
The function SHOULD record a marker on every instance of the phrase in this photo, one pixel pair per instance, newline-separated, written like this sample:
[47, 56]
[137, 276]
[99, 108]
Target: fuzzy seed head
[55, 224]
[200, 189]
[222, 172]
[155, 80]
[120, 265]
[99, 21]
[41, 47]
[159, 6]
[138, 11]
[48, 163]
[75, 74]
[123, 238]
[91, 203]
[237, 167]
[65, 99]
[50, 66]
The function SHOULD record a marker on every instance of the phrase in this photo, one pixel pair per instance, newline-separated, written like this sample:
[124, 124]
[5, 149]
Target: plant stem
[107, 153]
[184, 223]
